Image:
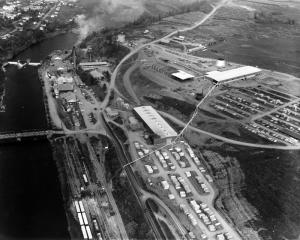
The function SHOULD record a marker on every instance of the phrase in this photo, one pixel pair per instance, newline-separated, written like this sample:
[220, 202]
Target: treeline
[19, 40]
[6, 23]
[147, 19]
[274, 17]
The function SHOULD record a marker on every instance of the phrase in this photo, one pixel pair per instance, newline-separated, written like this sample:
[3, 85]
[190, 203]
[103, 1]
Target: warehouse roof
[155, 122]
[93, 63]
[69, 96]
[65, 87]
[232, 73]
[182, 75]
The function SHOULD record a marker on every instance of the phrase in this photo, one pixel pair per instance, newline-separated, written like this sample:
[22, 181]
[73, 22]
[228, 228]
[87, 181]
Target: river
[31, 204]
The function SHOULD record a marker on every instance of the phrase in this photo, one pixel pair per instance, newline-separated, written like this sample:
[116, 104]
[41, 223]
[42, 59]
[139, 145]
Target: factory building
[65, 87]
[241, 73]
[162, 132]
[182, 76]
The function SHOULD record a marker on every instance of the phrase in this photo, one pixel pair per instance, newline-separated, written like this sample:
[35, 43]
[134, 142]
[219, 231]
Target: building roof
[69, 96]
[182, 75]
[65, 87]
[155, 122]
[64, 79]
[220, 76]
[90, 64]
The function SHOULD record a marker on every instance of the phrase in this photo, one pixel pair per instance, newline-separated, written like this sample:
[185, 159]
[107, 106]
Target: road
[115, 72]
[122, 157]
[178, 224]
[227, 140]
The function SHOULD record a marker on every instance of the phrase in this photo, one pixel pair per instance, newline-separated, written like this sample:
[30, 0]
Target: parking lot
[177, 173]
[271, 114]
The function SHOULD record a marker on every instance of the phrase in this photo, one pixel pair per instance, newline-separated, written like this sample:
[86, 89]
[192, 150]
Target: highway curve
[228, 140]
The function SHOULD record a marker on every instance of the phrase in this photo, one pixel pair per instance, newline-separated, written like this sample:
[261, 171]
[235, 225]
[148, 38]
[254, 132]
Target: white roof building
[70, 97]
[221, 76]
[181, 75]
[65, 79]
[155, 122]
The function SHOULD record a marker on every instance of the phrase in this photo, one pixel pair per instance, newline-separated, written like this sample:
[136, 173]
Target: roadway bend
[228, 140]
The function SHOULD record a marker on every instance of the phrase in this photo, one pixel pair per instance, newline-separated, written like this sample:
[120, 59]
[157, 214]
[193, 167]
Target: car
[178, 149]
[137, 145]
[145, 150]
[140, 153]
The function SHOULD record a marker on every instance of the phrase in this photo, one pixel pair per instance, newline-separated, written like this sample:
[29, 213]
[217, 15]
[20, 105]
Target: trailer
[89, 233]
[85, 179]
[77, 206]
[84, 232]
[81, 206]
[85, 219]
[80, 219]
[96, 226]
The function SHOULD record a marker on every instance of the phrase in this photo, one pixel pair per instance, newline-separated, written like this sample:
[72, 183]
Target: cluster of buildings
[217, 76]
[11, 9]
[64, 88]
[21, 13]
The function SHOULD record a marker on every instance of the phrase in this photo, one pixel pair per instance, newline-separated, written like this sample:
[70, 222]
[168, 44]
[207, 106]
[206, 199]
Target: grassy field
[266, 36]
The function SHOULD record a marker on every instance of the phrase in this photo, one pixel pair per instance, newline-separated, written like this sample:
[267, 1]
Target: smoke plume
[107, 13]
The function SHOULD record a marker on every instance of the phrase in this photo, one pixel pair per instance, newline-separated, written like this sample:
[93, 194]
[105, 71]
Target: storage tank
[221, 63]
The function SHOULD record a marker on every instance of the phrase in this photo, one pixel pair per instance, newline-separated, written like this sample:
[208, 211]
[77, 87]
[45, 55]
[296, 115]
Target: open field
[251, 33]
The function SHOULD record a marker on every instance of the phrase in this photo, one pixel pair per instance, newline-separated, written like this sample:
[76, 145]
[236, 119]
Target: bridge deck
[11, 135]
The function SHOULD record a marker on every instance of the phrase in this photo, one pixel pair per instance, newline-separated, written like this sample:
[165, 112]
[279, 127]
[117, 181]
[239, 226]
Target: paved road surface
[228, 140]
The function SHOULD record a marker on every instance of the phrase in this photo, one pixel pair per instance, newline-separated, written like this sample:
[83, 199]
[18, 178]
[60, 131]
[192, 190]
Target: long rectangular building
[162, 130]
[240, 73]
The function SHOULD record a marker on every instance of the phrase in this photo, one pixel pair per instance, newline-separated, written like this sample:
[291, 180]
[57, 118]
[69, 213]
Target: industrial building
[92, 65]
[162, 132]
[241, 73]
[70, 97]
[65, 87]
[182, 76]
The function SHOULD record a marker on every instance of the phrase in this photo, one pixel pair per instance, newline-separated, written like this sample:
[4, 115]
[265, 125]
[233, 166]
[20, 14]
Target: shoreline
[20, 51]
[25, 47]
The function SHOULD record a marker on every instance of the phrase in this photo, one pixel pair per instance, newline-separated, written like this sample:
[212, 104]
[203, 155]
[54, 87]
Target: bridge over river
[26, 134]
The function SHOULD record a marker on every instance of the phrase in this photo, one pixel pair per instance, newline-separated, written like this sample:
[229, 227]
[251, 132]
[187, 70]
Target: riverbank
[50, 106]
[18, 51]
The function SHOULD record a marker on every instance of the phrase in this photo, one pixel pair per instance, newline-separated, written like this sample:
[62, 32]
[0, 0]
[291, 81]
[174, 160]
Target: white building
[241, 73]
[182, 76]
[162, 131]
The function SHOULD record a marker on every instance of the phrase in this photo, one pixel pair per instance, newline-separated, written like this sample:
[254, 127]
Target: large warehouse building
[162, 131]
[241, 73]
